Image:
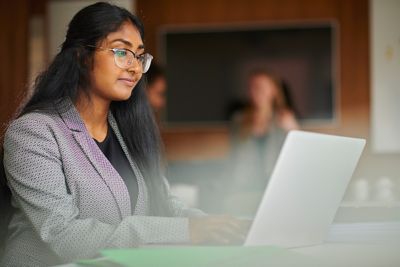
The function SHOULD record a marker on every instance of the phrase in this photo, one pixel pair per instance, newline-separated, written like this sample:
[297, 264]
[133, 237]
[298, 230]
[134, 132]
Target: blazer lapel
[141, 203]
[72, 119]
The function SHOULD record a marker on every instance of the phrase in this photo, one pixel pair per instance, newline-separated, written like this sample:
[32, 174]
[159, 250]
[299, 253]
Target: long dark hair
[69, 72]
[155, 72]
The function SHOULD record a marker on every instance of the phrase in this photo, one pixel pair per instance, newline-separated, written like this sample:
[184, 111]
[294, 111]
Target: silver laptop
[304, 192]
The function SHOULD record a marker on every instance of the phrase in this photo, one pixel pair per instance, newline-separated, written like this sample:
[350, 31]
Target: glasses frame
[147, 57]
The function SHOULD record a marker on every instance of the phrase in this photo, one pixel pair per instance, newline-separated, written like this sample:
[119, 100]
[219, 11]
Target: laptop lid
[305, 189]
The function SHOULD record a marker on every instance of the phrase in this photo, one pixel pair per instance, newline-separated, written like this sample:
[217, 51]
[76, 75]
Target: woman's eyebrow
[126, 42]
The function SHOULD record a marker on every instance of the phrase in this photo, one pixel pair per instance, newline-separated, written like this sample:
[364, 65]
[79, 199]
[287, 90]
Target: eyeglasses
[124, 58]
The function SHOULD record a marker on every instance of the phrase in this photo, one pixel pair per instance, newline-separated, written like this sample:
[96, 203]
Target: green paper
[195, 256]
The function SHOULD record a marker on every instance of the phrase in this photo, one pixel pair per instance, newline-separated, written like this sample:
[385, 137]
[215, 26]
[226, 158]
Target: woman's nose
[135, 66]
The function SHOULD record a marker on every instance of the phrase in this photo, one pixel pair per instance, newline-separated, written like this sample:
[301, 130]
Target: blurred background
[339, 60]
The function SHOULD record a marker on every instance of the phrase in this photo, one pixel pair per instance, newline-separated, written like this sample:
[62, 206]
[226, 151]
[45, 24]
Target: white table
[332, 255]
[349, 254]
[354, 255]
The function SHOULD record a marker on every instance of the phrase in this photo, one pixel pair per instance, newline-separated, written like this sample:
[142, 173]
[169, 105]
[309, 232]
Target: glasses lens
[122, 57]
[125, 58]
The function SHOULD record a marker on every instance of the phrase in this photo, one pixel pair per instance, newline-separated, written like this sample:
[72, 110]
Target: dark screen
[207, 70]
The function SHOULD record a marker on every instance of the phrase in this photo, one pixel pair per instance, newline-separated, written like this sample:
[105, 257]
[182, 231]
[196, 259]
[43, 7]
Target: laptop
[306, 187]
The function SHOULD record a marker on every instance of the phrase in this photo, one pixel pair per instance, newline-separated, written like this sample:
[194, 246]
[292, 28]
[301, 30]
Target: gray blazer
[70, 201]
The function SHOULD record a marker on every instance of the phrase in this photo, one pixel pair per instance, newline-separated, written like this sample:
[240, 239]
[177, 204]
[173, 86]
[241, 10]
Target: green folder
[204, 257]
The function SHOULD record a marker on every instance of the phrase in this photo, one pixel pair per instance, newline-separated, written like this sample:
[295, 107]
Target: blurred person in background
[257, 135]
[156, 89]
[82, 156]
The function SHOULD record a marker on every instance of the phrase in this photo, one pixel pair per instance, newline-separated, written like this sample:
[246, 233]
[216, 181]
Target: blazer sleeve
[35, 175]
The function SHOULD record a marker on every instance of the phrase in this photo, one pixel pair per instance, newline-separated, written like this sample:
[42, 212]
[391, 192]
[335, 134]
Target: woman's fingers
[222, 229]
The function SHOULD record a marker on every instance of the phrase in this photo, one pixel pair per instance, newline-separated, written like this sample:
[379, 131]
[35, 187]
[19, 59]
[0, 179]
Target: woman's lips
[127, 81]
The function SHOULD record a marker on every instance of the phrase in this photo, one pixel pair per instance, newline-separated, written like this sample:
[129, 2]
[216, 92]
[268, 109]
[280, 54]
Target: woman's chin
[122, 94]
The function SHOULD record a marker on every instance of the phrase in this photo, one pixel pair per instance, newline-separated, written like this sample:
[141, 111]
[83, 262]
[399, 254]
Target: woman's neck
[94, 112]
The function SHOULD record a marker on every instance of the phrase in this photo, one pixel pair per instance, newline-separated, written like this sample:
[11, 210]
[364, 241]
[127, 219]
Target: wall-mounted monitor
[207, 68]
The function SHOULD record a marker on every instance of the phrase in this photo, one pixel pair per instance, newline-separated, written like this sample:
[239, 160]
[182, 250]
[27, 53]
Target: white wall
[385, 75]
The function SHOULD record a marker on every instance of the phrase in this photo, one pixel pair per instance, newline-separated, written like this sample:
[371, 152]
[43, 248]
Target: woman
[258, 133]
[82, 158]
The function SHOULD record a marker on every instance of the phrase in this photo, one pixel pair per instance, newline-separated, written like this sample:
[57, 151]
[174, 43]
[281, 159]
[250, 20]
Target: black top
[114, 153]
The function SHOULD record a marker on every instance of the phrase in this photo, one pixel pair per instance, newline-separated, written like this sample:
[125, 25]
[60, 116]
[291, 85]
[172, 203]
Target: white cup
[384, 189]
[361, 190]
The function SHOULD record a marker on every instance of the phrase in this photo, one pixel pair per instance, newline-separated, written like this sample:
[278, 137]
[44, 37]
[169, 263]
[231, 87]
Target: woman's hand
[218, 229]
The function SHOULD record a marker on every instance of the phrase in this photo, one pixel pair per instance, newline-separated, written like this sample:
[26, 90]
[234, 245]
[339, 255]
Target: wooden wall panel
[351, 15]
[156, 13]
[14, 55]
